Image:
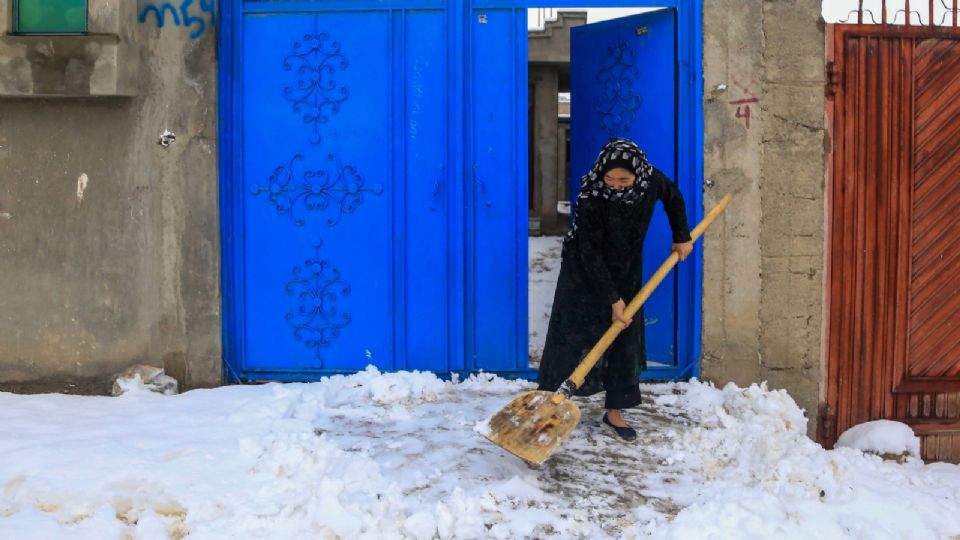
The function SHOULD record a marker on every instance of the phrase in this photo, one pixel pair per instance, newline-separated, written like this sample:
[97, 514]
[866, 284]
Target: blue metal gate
[625, 84]
[337, 190]
[496, 195]
[372, 203]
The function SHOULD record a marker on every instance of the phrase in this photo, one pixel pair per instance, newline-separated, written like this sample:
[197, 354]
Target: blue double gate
[373, 192]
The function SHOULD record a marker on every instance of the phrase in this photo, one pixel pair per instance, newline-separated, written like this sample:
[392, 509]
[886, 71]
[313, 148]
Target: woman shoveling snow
[603, 259]
[602, 264]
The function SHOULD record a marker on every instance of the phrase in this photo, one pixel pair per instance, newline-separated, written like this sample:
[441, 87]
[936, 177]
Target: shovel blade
[532, 426]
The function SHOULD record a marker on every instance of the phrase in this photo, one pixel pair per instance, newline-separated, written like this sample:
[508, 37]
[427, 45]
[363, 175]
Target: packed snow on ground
[396, 455]
[881, 437]
[543, 259]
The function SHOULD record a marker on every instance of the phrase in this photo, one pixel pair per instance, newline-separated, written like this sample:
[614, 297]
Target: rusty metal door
[893, 331]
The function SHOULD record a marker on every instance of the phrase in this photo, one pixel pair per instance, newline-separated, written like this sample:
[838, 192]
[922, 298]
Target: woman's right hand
[618, 315]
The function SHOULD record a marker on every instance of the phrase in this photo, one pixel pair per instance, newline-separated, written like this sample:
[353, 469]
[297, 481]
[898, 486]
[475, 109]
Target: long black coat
[601, 264]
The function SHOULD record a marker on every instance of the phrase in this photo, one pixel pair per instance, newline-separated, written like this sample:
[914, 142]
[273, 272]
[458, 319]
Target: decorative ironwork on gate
[317, 286]
[919, 13]
[339, 190]
[618, 102]
[316, 95]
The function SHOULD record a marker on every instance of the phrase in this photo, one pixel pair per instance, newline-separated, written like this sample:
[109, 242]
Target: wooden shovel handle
[601, 347]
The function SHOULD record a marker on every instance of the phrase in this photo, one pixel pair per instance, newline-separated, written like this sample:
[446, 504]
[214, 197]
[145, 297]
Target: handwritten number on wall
[182, 17]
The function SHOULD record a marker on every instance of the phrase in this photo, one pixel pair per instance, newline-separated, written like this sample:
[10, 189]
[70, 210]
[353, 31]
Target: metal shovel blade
[532, 426]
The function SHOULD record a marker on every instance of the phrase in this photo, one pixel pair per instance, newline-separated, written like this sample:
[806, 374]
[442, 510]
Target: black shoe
[626, 433]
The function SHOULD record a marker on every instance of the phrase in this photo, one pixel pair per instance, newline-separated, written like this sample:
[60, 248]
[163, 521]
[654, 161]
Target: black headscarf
[622, 153]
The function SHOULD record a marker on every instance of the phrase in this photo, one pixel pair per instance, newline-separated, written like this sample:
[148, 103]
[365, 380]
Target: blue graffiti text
[182, 17]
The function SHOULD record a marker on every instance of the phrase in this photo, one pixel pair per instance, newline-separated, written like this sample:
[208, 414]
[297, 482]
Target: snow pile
[491, 384]
[740, 430]
[761, 477]
[402, 388]
[305, 486]
[394, 455]
[881, 437]
[371, 455]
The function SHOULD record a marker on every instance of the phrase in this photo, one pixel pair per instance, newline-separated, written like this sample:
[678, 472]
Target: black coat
[603, 263]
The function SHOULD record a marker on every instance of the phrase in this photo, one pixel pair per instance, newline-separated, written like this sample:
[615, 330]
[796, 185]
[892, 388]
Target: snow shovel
[534, 424]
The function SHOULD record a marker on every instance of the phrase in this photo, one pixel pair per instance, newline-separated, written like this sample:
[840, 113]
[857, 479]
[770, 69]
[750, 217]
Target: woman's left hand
[683, 250]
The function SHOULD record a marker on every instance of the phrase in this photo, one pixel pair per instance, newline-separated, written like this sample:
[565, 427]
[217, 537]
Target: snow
[483, 427]
[762, 477]
[397, 455]
[881, 437]
[543, 257]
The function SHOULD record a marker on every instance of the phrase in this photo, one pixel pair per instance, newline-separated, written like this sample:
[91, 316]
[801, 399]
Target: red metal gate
[893, 330]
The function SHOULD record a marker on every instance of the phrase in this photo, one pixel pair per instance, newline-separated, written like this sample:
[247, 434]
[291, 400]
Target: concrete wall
[763, 268]
[109, 249]
[544, 82]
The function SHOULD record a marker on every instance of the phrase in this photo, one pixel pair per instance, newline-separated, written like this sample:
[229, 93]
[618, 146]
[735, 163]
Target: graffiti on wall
[189, 15]
[743, 104]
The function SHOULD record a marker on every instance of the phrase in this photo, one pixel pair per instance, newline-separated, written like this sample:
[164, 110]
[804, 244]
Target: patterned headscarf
[616, 153]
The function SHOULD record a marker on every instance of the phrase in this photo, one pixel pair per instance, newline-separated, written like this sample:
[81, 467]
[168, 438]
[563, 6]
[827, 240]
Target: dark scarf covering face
[616, 153]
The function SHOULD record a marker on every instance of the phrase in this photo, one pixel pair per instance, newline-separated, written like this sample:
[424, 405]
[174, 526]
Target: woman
[601, 269]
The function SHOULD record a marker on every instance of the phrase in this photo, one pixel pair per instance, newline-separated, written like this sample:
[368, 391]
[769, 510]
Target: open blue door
[624, 84]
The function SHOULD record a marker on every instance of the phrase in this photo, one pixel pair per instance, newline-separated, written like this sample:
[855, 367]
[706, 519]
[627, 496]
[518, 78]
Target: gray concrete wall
[763, 268]
[109, 249]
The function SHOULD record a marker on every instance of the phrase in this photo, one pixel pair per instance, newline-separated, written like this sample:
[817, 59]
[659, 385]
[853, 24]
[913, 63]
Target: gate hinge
[833, 79]
[826, 424]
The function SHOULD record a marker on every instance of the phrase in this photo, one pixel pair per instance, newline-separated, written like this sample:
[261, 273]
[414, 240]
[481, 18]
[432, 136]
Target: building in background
[548, 95]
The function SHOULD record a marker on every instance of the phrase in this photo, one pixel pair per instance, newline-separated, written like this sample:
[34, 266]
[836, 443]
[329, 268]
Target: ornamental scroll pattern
[315, 95]
[316, 287]
[335, 191]
[618, 77]
[330, 189]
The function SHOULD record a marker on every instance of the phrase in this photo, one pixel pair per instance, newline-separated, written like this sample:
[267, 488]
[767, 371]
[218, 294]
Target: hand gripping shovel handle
[576, 379]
